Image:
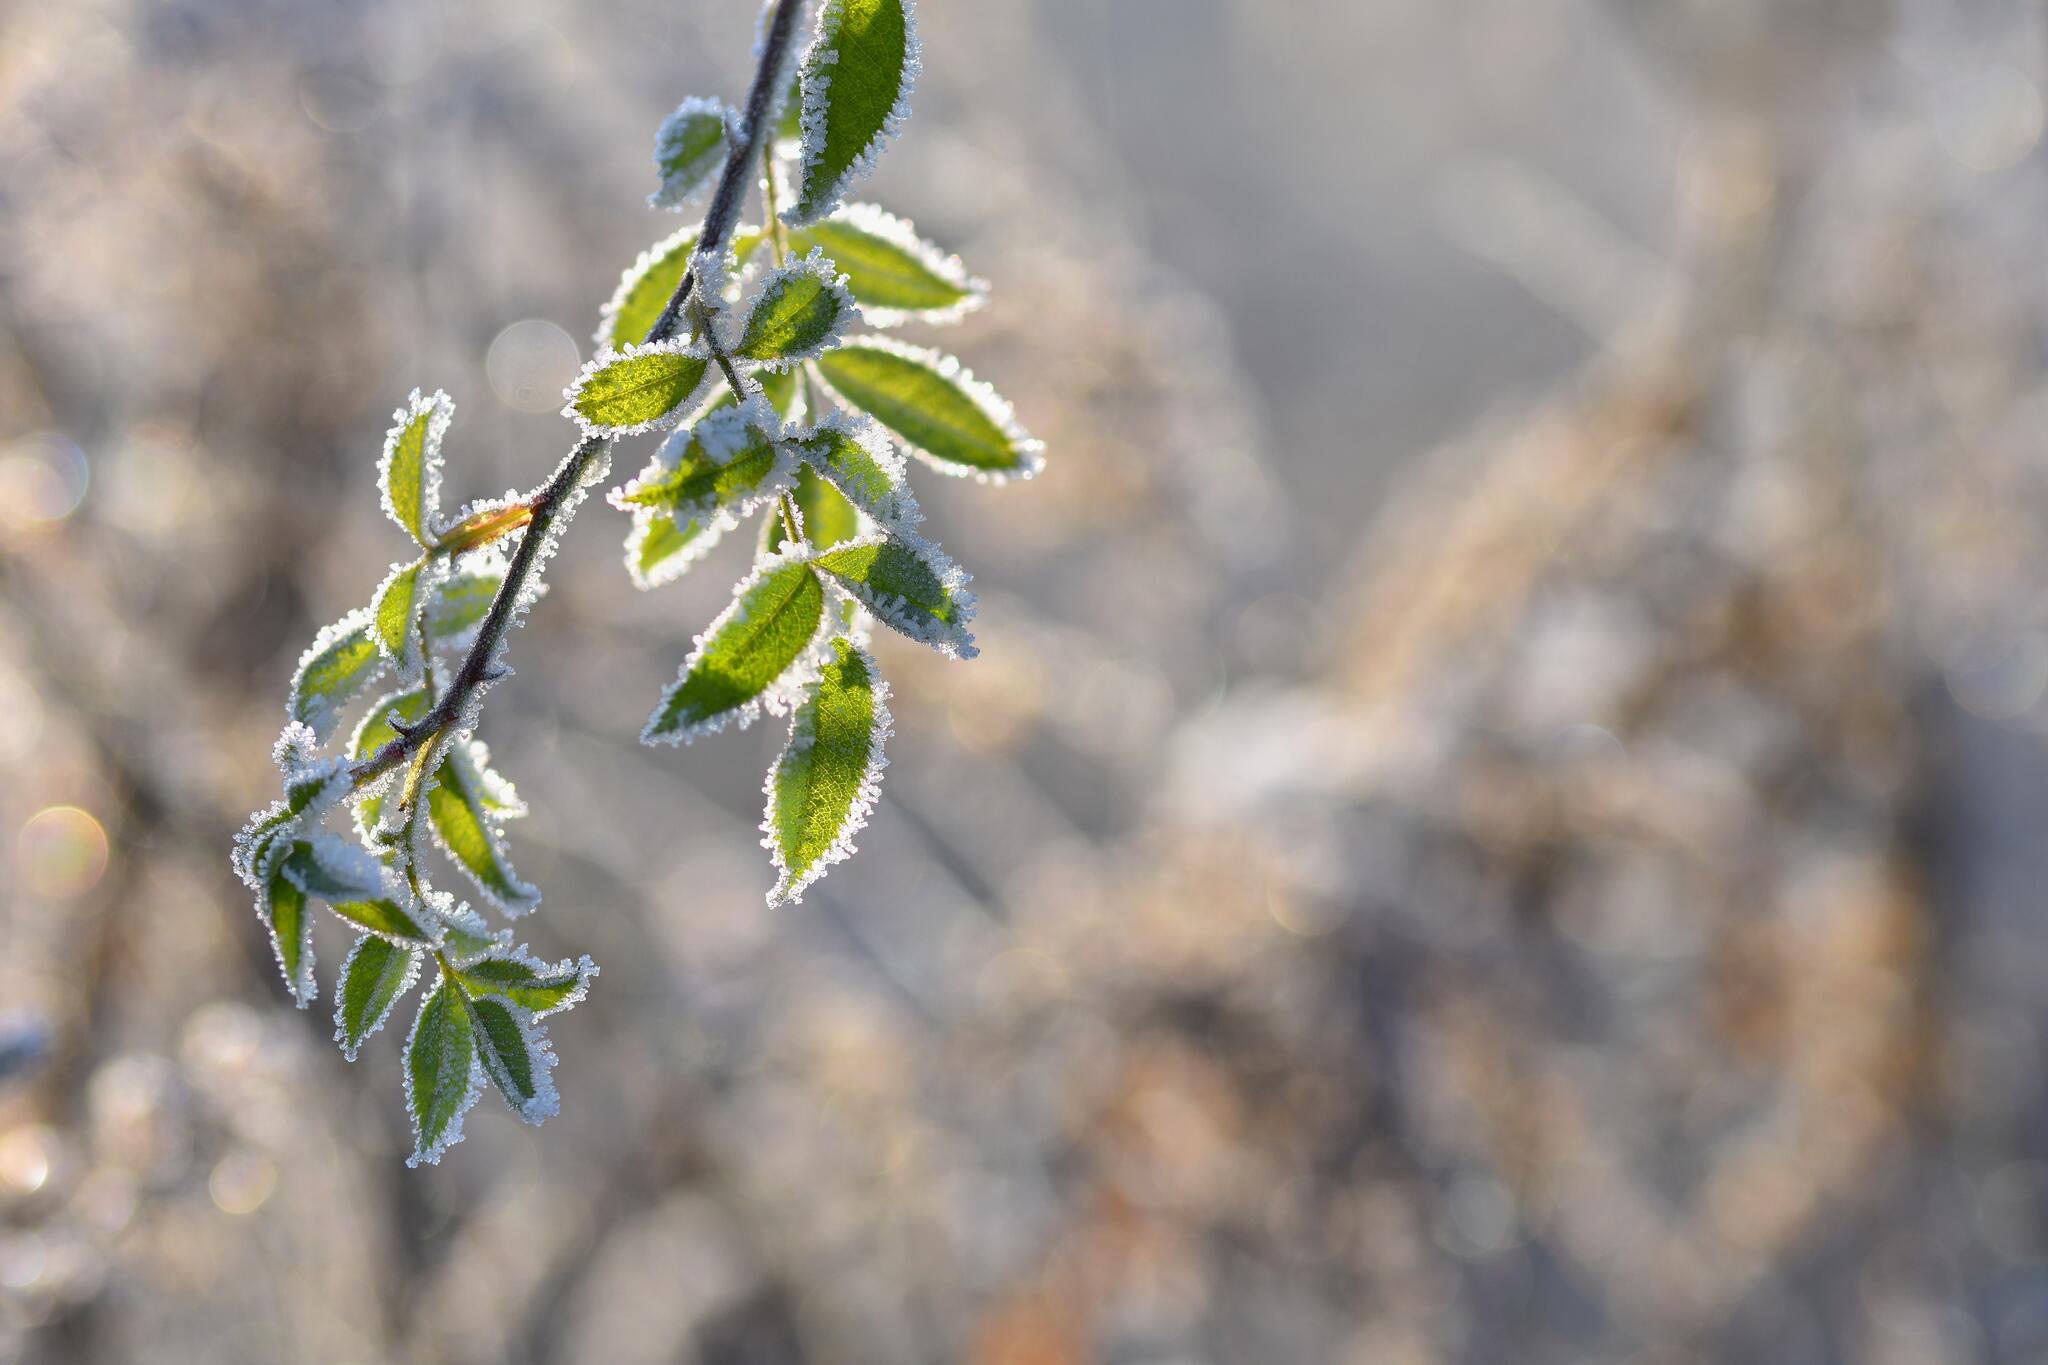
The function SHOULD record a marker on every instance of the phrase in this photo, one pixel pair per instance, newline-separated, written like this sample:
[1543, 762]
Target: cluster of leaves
[737, 344]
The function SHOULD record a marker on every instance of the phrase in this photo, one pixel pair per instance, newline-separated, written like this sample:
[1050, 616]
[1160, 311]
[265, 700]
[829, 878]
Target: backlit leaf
[342, 660]
[822, 788]
[895, 275]
[464, 803]
[855, 90]
[291, 936]
[644, 290]
[393, 610]
[639, 388]
[689, 147]
[442, 1075]
[409, 473]
[377, 974]
[796, 312]
[938, 409]
[746, 654]
[909, 585]
[856, 455]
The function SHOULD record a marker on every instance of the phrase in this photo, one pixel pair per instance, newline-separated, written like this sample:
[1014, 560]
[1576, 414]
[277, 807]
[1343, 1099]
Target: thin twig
[549, 503]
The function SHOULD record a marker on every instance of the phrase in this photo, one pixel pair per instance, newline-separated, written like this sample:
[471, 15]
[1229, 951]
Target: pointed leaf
[310, 791]
[393, 611]
[460, 808]
[856, 81]
[729, 459]
[823, 787]
[689, 147]
[442, 1076]
[639, 388]
[744, 654]
[644, 290]
[939, 409]
[797, 312]
[909, 585]
[658, 550]
[291, 936]
[377, 973]
[828, 518]
[409, 473]
[516, 1056]
[374, 733]
[541, 987]
[342, 660]
[895, 275]
[856, 455]
[459, 604]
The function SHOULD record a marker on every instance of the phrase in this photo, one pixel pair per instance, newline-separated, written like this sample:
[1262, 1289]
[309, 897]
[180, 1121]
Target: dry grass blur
[1497, 820]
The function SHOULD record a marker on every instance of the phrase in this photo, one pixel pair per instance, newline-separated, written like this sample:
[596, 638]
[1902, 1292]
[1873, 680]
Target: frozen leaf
[464, 804]
[540, 987]
[895, 275]
[378, 972]
[459, 604]
[856, 82]
[859, 460]
[516, 1056]
[797, 312]
[342, 660]
[291, 936]
[745, 653]
[908, 584]
[409, 474]
[939, 409]
[729, 459]
[644, 290]
[393, 611]
[442, 1076]
[638, 388]
[659, 550]
[465, 937]
[353, 885]
[828, 518]
[310, 791]
[376, 731]
[823, 786]
[688, 148]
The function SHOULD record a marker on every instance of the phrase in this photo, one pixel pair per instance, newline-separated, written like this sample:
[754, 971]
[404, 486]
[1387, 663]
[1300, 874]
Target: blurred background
[1497, 818]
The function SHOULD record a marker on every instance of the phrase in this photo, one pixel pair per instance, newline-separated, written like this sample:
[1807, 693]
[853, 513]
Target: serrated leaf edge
[812, 124]
[789, 887]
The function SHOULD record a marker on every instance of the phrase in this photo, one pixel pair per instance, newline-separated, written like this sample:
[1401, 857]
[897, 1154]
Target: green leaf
[382, 917]
[856, 456]
[409, 472]
[828, 518]
[393, 610]
[729, 459]
[540, 987]
[909, 585]
[744, 653]
[464, 803]
[939, 410]
[291, 936]
[658, 550]
[822, 788]
[342, 660]
[376, 731]
[460, 603]
[331, 869]
[797, 312]
[688, 148]
[442, 1077]
[377, 973]
[516, 1056]
[465, 937]
[311, 789]
[644, 290]
[639, 388]
[895, 275]
[855, 84]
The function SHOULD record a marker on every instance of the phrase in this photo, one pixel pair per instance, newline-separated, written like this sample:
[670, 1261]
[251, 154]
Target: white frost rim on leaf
[545, 1103]
[877, 222]
[443, 409]
[898, 511]
[675, 565]
[424, 1152]
[790, 887]
[610, 357]
[517, 898]
[582, 968]
[413, 959]
[1030, 450]
[629, 279]
[951, 639]
[819, 267]
[680, 186]
[817, 86]
[322, 712]
[781, 692]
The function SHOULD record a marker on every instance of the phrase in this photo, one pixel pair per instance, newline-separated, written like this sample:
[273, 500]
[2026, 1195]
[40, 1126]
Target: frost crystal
[791, 883]
[817, 196]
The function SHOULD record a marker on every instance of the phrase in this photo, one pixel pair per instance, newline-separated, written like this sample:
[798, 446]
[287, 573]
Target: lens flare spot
[62, 852]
